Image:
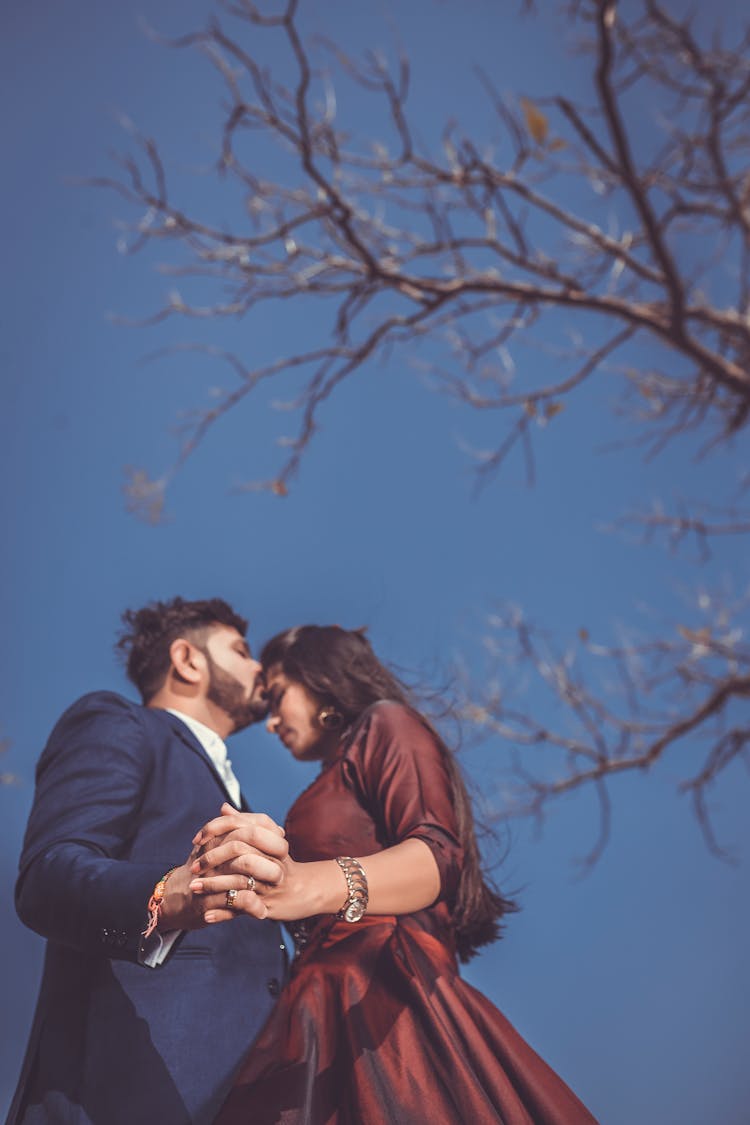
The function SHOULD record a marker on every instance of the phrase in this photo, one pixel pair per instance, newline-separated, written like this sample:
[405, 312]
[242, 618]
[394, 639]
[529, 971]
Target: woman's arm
[400, 879]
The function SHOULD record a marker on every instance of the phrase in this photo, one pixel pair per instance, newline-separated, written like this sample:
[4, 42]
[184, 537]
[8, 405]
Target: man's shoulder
[99, 718]
[101, 707]
[94, 702]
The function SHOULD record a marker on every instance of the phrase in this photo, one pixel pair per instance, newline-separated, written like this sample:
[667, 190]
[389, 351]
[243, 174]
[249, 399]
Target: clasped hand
[247, 853]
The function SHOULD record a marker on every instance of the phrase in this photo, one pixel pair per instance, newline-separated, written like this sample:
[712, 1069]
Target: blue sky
[633, 981]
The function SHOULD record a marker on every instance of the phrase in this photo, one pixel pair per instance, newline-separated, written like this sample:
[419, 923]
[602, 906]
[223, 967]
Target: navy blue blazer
[120, 792]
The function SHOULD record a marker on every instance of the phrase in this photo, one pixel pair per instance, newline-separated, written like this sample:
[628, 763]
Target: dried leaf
[145, 497]
[530, 408]
[695, 636]
[583, 635]
[536, 121]
[557, 144]
[279, 488]
[553, 408]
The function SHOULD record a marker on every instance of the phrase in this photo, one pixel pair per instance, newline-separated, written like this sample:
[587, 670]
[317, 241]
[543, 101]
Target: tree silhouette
[467, 258]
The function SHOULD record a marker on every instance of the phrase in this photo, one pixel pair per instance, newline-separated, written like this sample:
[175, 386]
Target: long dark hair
[339, 668]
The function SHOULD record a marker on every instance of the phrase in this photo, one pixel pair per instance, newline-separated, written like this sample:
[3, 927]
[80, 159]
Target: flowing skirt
[376, 1027]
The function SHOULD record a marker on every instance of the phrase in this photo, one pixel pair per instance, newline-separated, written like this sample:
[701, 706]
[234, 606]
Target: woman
[383, 890]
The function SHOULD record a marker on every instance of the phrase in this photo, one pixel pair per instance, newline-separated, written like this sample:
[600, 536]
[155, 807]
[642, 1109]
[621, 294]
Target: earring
[331, 719]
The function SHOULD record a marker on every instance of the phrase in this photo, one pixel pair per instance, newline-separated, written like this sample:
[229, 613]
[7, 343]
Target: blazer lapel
[185, 734]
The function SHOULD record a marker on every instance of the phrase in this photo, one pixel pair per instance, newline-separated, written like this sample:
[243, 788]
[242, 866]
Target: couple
[158, 1000]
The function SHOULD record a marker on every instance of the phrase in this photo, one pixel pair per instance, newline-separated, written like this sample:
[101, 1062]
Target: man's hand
[303, 890]
[236, 850]
[248, 854]
[254, 836]
[180, 910]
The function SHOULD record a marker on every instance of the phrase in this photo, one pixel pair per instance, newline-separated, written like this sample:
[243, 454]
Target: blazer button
[273, 986]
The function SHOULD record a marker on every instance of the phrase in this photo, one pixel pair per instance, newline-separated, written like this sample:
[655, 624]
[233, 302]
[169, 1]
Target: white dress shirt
[217, 752]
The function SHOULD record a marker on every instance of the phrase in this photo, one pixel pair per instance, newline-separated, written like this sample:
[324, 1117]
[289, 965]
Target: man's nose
[271, 723]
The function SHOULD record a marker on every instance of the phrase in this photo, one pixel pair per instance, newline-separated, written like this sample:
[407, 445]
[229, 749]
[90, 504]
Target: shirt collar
[216, 750]
[209, 739]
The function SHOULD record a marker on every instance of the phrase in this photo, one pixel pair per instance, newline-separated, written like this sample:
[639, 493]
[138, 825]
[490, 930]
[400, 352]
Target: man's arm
[76, 884]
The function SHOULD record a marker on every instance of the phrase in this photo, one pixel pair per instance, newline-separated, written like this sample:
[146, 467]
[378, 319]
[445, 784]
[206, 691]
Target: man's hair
[148, 633]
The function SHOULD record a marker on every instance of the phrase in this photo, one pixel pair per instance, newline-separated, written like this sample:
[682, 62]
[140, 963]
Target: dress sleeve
[398, 768]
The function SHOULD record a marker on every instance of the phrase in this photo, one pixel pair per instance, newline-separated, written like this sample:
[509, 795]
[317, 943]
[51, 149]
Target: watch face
[354, 912]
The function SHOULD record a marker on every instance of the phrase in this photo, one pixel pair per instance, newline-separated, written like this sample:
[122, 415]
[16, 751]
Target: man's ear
[188, 662]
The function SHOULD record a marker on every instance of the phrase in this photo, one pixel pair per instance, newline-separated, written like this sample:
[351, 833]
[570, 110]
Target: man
[132, 1028]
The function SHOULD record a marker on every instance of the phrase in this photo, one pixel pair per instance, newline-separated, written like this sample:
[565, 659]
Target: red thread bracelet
[155, 904]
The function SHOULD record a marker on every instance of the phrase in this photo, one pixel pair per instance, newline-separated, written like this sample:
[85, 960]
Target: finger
[253, 836]
[245, 902]
[232, 819]
[262, 840]
[263, 819]
[215, 884]
[264, 873]
[256, 837]
[219, 855]
[248, 863]
[218, 916]
[262, 868]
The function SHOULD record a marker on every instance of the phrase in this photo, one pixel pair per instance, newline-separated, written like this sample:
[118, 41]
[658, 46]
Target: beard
[230, 695]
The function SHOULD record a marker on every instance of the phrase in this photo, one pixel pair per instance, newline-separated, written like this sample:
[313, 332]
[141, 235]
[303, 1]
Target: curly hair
[338, 667]
[148, 633]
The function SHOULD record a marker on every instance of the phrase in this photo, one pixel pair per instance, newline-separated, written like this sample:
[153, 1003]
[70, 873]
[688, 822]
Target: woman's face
[294, 717]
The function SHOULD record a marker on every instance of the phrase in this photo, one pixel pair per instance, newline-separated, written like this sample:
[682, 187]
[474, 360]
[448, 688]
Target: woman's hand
[249, 846]
[304, 889]
[257, 829]
[247, 857]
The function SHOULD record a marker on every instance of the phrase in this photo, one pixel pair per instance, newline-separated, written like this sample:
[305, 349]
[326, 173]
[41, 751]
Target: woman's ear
[330, 719]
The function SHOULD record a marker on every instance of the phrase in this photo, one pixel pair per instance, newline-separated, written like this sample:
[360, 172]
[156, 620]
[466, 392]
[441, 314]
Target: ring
[231, 896]
[251, 882]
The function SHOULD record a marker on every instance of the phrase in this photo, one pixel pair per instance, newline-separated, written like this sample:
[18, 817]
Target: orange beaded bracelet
[155, 904]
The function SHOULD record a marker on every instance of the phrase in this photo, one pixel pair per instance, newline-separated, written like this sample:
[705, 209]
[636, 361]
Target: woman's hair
[339, 667]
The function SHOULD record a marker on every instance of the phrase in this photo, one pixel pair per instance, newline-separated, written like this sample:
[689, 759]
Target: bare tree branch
[616, 709]
[467, 259]
[357, 228]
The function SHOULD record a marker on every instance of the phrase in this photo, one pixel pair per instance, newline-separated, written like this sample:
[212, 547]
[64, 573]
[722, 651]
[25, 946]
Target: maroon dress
[376, 1027]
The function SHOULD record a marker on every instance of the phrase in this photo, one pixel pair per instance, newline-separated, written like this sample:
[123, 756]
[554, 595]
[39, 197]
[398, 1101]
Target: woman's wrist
[336, 888]
[325, 887]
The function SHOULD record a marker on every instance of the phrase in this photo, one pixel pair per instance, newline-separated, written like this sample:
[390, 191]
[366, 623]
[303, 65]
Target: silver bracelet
[356, 885]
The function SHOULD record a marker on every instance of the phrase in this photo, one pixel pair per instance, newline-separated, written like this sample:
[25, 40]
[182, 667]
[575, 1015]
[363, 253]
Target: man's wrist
[155, 906]
[179, 909]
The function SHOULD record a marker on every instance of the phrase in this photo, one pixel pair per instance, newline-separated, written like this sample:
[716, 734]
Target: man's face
[235, 678]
